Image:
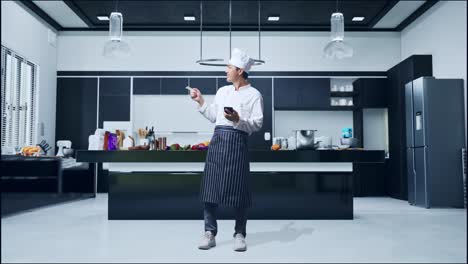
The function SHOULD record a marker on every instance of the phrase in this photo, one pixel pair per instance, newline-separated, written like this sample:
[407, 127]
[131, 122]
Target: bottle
[128, 142]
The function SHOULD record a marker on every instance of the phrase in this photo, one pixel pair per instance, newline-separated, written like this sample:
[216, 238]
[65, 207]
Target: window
[19, 91]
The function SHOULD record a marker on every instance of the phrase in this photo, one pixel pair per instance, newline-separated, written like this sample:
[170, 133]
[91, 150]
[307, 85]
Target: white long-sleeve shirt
[247, 102]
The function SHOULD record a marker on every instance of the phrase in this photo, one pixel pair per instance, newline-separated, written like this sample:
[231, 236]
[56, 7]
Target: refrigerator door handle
[426, 178]
[414, 176]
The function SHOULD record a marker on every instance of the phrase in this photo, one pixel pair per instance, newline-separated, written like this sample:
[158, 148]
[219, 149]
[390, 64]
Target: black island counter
[301, 184]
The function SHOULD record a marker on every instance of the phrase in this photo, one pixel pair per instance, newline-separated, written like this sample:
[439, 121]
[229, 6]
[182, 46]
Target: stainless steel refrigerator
[435, 133]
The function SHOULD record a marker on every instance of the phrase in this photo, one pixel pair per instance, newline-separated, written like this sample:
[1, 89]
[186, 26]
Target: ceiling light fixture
[209, 62]
[358, 19]
[189, 18]
[115, 46]
[337, 48]
[259, 61]
[103, 18]
[220, 62]
[273, 18]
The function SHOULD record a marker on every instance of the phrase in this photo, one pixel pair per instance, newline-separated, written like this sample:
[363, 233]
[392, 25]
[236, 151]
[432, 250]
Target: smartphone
[229, 110]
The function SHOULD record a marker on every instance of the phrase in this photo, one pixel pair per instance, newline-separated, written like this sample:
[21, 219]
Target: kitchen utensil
[324, 142]
[350, 142]
[292, 143]
[61, 144]
[347, 132]
[128, 142]
[120, 138]
[151, 139]
[284, 143]
[68, 152]
[45, 147]
[139, 148]
[276, 141]
[144, 141]
[305, 139]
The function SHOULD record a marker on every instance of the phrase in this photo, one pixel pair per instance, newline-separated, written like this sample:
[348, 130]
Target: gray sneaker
[239, 243]
[208, 241]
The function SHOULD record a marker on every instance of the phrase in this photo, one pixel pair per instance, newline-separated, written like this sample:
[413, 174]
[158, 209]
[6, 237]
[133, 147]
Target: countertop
[347, 155]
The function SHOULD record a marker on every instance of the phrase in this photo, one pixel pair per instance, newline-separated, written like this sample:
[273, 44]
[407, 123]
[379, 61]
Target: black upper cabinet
[114, 86]
[257, 139]
[302, 93]
[222, 81]
[286, 96]
[114, 100]
[205, 85]
[371, 92]
[76, 110]
[147, 86]
[174, 86]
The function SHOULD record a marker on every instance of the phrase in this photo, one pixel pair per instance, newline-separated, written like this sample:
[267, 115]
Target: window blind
[19, 91]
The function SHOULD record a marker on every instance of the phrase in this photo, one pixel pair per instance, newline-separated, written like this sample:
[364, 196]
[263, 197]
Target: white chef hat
[240, 59]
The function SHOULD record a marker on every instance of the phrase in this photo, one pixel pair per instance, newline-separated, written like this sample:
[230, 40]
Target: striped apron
[227, 169]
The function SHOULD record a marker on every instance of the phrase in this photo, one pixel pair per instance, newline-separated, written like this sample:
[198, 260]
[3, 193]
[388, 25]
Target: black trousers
[210, 211]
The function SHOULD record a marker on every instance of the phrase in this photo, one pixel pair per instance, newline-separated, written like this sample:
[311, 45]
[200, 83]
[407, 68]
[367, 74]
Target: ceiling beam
[383, 12]
[43, 15]
[423, 8]
[251, 28]
[79, 13]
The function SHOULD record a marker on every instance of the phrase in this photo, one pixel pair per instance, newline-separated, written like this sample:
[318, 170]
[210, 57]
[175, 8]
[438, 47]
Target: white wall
[441, 31]
[327, 123]
[283, 51]
[170, 113]
[28, 36]
[178, 51]
[375, 128]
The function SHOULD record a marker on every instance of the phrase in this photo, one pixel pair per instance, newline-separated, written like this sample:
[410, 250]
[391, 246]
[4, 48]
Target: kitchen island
[305, 184]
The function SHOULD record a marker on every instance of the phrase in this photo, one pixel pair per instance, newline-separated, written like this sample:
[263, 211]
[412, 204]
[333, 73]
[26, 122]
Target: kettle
[305, 139]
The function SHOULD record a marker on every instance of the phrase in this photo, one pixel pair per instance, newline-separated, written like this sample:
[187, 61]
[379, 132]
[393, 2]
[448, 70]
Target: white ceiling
[398, 14]
[61, 13]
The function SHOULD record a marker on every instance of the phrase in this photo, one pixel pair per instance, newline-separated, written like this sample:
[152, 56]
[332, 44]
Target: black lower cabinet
[369, 179]
[102, 179]
[275, 196]
[29, 183]
[31, 174]
[78, 180]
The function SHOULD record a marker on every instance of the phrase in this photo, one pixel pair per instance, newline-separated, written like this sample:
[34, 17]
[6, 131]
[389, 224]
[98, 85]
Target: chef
[237, 111]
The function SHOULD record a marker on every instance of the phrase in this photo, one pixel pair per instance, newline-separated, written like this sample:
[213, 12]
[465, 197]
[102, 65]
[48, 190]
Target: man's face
[233, 73]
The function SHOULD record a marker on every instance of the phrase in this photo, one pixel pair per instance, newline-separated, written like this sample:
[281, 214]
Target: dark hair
[245, 75]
